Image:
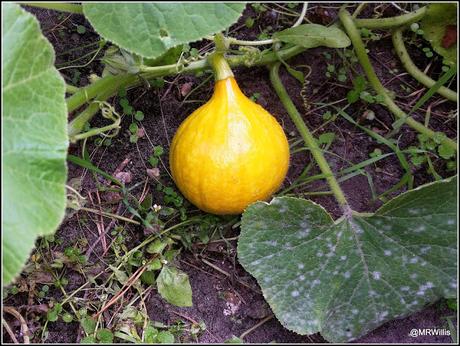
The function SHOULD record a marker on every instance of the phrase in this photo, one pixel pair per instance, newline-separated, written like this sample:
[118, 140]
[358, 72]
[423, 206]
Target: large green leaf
[345, 278]
[434, 25]
[174, 286]
[314, 35]
[35, 138]
[150, 29]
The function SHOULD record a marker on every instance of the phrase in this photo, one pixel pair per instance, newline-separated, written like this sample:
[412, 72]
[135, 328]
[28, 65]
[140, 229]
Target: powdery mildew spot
[376, 275]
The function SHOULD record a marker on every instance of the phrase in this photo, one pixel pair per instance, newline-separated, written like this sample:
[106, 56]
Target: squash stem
[413, 70]
[107, 86]
[310, 141]
[220, 66]
[391, 22]
[87, 93]
[365, 62]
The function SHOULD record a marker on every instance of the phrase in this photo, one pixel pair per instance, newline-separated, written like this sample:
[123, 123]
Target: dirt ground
[230, 305]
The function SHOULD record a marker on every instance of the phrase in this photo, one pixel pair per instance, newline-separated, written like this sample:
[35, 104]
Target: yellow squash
[230, 152]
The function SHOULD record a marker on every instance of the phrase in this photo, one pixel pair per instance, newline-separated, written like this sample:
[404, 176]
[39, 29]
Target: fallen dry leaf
[185, 88]
[124, 177]
[153, 172]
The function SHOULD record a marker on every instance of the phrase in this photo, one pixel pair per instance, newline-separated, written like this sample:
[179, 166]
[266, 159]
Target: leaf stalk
[413, 70]
[310, 141]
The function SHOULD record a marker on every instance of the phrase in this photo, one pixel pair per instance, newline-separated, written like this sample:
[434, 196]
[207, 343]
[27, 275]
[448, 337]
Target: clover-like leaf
[347, 277]
[439, 27]
[35, 138]
[174, 286]
[314, 35]
[150, 29]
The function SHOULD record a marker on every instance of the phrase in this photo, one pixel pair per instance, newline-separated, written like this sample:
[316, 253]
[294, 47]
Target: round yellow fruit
[229, 153]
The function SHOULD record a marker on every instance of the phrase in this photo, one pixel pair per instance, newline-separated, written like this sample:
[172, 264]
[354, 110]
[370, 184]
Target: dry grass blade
[136, 275]
[18, 316]
[253, 328]
[10, 331]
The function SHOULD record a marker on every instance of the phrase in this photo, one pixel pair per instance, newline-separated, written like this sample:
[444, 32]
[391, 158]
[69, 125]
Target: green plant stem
[220, 66]
[63, 7]
[413, 70]
[107, 86]
[70, 303]
[310, 141]
[78, 123]
[87, 93]
[70, 89]
[96, 131]
[363, 58]
[232, 40]
[391, 22]
[359, 9]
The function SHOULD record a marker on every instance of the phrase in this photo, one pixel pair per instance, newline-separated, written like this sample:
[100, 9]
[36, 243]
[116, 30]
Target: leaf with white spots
[150, 29]
[35, 138]
[346, 278]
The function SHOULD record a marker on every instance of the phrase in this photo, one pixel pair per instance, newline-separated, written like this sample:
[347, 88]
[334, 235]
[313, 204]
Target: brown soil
[164, 110]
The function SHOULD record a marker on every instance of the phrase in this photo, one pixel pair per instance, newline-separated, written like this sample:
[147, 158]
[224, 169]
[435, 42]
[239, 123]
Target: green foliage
[326, 138]
[157, 83]
[359, 85]
[314, 35]
[74, 255]
[266, 33]
[168, 58]
[415, 27]
[347, 277]
[76, 77]
[249, 22]
[434, 145]
[53, 313]
[359, 92]
[88, 324]
[139, 116]
[153, 336]
[435, 25]
[428, 52]
[67, 317]
[452, 303]
[377, 152]
[133, 128]
[34, 168]
[327, 115]
[340, 74]
[105, 336]
[370, 35]
[174, 286]
[234, 340]
[258, 7]
[158, 150]
[162, 25]
[171, 196]
[155, 157]
[81, 29]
